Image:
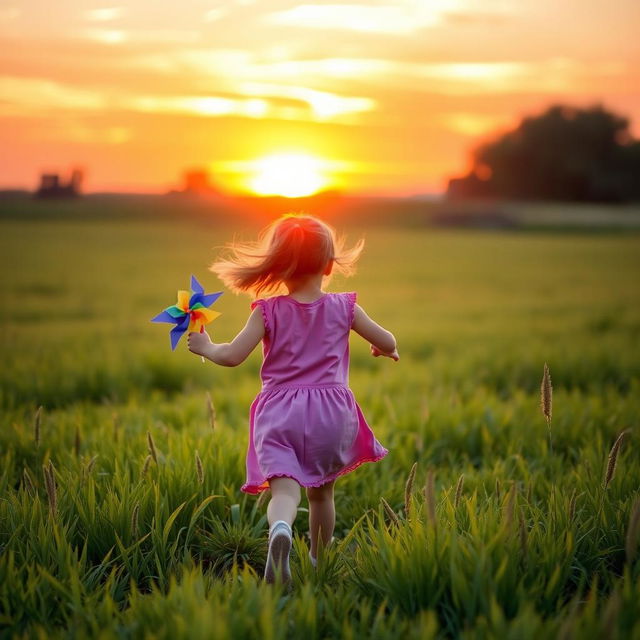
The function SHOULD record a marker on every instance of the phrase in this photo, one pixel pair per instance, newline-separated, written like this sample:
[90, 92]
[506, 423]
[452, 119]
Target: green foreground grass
[140, 543]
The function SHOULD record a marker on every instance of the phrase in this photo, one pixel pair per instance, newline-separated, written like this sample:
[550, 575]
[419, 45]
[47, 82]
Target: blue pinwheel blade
[196, 287]
[164, 317]
[209, 298]
[206, 299]
[177, 332]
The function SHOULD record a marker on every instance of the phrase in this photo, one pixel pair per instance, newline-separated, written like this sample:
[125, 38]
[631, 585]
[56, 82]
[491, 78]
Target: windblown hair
[294, 245]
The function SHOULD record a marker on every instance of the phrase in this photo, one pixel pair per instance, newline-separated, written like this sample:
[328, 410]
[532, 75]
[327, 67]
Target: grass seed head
[37, 421]
[152, 447]
[459, 486]
[408, 488]
[91, 464]
[27, 482]
[50, 485]
[546, 394]
[211, 409]
[613, 458]
[393, 516]
[88, 468]
[199, 469]
[147, 462]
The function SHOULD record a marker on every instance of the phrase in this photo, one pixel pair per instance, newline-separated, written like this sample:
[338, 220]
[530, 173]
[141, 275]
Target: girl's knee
[284, 486]
[320, 494]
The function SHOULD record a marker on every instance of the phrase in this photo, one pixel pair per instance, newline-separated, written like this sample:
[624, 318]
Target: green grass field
[139, 545]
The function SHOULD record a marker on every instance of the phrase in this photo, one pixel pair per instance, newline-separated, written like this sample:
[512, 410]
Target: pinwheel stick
[202, 331]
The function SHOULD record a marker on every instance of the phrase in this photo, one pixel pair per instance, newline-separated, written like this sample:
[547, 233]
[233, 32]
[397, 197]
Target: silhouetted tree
[564, 154]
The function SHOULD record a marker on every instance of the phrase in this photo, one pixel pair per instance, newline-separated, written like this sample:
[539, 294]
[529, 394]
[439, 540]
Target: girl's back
[306, 343]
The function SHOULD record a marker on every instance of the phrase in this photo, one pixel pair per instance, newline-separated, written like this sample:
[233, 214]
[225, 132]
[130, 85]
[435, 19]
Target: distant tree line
[566, 153]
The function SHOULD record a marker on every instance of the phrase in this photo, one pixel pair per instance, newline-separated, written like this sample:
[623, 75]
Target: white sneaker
[280, 541]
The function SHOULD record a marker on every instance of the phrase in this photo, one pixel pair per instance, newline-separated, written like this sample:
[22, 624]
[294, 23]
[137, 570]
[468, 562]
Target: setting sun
[292, 175]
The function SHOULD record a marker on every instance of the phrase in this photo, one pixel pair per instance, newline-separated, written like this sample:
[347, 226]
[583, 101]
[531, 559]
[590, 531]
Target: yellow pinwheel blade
[201, 317]
[183, 300]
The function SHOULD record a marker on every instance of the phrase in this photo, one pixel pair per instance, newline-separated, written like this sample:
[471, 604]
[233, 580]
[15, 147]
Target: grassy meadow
[121, 514]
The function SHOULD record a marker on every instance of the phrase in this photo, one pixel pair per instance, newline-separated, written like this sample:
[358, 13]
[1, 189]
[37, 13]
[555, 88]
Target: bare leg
[322, 515]
[281, 512]
[285, 498]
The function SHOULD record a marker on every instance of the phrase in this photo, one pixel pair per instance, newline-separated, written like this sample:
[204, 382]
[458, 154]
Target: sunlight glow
[292, 175]
[398, 18]
[104, 15]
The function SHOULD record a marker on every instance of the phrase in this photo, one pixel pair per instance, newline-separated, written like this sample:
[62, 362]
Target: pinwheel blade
[209, 298]
[165, 316]
[196, 287]
[178, 331]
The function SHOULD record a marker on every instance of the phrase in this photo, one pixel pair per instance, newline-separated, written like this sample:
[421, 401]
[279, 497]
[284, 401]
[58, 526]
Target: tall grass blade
[408, 488]
[546, 400]
[430, 497]
[37, 421]
[633, 533]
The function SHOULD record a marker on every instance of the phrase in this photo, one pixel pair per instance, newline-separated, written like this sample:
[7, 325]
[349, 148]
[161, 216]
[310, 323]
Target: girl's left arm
[229, 354]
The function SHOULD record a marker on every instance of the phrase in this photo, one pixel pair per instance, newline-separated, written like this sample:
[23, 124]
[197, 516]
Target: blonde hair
[293, 245]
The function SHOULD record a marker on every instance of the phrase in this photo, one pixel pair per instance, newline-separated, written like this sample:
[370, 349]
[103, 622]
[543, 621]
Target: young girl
[305, 426]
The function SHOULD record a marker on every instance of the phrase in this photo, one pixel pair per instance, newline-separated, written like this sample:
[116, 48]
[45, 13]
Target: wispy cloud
[308, 105]
[238, 69]
[472, 124]
[206, 106]
[104, 15]
[212, 15]
[399, 18]
[35, 95]
[140, 36]
[105, 36]
[9, 14]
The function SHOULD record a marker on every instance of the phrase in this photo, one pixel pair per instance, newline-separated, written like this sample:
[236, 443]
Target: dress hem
[255, 489]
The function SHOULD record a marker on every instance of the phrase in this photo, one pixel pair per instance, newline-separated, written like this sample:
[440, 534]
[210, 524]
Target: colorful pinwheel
[190, 313]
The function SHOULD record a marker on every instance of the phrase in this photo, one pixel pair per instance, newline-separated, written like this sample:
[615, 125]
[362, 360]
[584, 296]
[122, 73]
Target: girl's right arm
[383, 342]
[230, 354]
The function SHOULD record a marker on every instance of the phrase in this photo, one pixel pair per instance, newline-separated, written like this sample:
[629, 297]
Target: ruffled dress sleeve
[351, 306]
[264, 309]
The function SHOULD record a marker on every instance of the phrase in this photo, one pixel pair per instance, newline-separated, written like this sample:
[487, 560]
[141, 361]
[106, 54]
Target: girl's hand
[375, 352]
[198, 343]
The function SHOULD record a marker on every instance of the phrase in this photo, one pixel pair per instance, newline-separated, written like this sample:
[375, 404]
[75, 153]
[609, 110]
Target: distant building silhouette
[196, 182]
[52, 187]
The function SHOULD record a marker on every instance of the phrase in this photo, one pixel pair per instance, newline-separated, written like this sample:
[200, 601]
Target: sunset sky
[377, 97]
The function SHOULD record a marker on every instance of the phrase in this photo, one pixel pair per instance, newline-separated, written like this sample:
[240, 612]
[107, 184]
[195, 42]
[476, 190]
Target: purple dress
[305, 423]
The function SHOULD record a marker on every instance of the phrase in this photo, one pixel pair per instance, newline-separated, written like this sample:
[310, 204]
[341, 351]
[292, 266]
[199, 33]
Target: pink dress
[305, 423]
